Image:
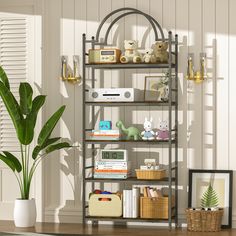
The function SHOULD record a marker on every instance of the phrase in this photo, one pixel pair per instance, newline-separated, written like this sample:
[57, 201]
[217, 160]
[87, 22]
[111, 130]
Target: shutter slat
[13, 35]
[12, 45]
[13, 58]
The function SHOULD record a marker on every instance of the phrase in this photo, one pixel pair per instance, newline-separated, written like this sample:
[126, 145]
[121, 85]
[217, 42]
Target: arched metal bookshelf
[172, 106]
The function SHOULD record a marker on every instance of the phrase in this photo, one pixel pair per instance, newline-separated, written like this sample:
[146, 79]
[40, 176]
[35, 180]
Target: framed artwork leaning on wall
[156, 88]
[222, 183]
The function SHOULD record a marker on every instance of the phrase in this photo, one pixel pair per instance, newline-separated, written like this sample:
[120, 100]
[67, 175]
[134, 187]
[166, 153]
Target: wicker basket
[155, 208]
[201, 220]
[150, 174]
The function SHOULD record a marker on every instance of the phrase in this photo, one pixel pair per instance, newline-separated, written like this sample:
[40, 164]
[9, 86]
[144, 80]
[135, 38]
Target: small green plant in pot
[209, 198]
[24, 116]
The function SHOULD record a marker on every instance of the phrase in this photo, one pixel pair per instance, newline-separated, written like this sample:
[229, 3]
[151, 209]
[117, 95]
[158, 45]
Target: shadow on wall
[202, 106]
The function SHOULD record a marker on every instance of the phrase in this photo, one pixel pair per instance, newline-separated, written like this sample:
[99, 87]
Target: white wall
[206, 111]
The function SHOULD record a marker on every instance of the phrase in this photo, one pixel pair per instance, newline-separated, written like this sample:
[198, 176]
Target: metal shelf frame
[121, 219]
[144, 103]
[129, 66]
[171, 105]
[131, 180]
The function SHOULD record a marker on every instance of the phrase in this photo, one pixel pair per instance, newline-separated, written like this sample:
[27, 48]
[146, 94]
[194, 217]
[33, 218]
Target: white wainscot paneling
[205, 133]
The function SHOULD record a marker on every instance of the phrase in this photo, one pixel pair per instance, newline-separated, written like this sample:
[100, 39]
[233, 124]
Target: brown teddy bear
[160, 51]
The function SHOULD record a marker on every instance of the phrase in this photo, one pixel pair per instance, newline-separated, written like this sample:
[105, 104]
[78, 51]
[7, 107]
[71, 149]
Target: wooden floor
[7, 226]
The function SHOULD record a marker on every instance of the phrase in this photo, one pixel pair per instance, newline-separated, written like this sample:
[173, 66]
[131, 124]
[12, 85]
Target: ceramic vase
[25, 213]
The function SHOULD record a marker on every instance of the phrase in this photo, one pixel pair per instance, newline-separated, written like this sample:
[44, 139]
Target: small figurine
[148, 134]
[163, 130]
[148, 56]
[131, 132]
[160, 51]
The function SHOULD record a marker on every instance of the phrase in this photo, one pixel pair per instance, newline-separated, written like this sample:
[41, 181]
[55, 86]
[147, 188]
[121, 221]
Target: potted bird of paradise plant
[24, 116]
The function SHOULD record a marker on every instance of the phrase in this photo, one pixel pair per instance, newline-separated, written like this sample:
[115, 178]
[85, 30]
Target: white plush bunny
[148, 133]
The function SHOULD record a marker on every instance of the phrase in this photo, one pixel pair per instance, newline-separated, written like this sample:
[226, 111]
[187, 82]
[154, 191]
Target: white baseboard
[61, 215]
[71, 215]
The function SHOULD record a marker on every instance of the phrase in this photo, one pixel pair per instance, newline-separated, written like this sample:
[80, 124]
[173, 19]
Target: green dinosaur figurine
[131, 132]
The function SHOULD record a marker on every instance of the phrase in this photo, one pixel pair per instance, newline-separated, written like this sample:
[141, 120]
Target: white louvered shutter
[13, 58]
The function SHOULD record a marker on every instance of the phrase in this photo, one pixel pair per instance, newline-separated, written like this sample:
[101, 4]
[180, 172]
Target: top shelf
[129, 66]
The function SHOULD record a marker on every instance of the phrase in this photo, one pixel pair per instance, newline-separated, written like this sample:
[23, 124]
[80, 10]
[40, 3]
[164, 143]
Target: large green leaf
[38, 148]
[4, 78]
[13, 109]
[8, 162]
[36, 151]
[57, 146]
[26, 93]
[14, 160]
[30, 120]
[49, 126]
[36, 105]
[28, 131]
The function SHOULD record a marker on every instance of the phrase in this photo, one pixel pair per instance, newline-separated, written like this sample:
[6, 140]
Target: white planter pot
[25, 213]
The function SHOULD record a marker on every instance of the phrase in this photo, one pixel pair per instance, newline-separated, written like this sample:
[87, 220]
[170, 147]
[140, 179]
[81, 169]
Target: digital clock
[114, 155]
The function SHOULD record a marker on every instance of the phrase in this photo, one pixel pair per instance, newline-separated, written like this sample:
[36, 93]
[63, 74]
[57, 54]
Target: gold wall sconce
[196, 76]
[69, 74]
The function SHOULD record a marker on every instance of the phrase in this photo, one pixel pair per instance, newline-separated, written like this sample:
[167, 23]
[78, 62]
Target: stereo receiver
[101, 56]
[113, 95]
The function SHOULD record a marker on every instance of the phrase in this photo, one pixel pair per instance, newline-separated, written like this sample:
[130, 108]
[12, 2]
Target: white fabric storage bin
[105, 205]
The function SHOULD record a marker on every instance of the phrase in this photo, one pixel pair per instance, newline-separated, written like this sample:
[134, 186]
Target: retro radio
[99, 56]
[113, 94]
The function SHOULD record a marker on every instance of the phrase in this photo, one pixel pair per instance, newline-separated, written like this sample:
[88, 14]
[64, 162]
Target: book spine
[109, 171]
[100, 167]
[110, 176]
[151, 192]
[148, 192]
[105, 135]
[113, 163]
[104, 132]
[135, 202]
[130, 206]
[124, 203]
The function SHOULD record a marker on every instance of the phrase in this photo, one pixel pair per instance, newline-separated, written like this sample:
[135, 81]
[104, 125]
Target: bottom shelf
[100, 218]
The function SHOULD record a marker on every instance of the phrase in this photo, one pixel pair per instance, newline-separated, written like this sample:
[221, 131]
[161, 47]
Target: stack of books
[131, 203]
[105, 134]
[112, 169]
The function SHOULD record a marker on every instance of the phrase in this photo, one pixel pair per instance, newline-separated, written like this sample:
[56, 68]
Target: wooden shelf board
[157, 142]
[127, 219]
[129, 66]
[131, 179]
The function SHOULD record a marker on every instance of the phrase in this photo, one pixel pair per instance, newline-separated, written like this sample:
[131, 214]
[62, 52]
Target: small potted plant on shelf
[209, 216]
[24, 116]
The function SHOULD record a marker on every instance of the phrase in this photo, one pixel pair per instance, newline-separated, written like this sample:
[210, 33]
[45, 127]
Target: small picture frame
[156, 88]
[222, 183]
